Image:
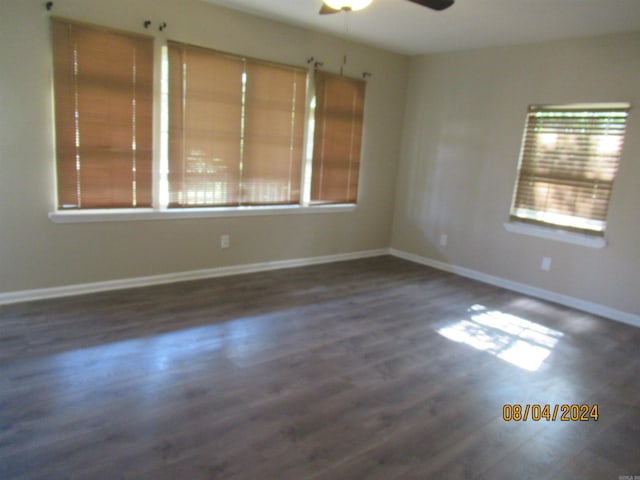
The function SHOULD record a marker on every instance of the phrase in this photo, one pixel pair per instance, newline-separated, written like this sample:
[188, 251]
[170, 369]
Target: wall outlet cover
[546, 264]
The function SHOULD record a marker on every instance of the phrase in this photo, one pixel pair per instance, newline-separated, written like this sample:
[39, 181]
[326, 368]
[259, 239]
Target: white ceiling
[404, 27]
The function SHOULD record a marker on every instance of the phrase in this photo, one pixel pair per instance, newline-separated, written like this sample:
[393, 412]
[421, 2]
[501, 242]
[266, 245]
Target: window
[103, 83]
[236, 129]
[337, 138]
[568, 163]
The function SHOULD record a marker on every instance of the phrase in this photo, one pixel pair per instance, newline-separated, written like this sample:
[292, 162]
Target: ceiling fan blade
[434, 4]
[326, 9]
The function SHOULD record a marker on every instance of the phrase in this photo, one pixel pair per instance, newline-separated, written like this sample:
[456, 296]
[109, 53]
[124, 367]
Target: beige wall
[457, 145]
[461, 138]
[36, 253]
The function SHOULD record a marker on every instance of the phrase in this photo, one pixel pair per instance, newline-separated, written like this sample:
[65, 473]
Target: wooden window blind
[337, 138]
[205, 127]
[236, 129]
[103, 87]
[568, 162]
[274, 134]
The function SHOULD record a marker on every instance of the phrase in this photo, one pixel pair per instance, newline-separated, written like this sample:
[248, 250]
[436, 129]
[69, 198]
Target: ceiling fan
[335, 6]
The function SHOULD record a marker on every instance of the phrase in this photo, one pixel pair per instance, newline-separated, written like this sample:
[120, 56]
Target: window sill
[555, 234]
[137, 214]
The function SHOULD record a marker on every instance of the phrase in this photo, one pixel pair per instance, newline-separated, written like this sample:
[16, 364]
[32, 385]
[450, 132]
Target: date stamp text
[537, 412]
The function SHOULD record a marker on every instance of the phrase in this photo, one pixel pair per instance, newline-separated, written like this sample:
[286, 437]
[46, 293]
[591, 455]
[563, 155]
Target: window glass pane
[569, 160]
[339, 117]
[205, 112]
[236, 129]
[103, 85]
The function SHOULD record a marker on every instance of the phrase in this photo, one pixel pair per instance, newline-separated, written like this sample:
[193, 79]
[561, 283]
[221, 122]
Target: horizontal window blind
[339, 119]
[205, 127]
[569, 160]
[103, 87]
[274, 134]
[236, 129]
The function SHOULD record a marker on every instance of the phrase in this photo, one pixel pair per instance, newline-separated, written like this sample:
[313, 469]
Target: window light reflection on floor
[513, 339]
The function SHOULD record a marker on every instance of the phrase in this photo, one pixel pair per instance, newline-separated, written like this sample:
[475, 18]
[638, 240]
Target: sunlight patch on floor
[520, 342]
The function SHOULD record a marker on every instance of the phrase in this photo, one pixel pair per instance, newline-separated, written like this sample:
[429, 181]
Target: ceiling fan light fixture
[347, 4]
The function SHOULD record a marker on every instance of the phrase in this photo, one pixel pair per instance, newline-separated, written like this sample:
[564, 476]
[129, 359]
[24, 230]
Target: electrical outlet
[225, 241]
[546, 264]
[443, 240]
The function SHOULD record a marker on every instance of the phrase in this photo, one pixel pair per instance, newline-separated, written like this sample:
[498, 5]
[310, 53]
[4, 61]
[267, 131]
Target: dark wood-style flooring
[368, 369]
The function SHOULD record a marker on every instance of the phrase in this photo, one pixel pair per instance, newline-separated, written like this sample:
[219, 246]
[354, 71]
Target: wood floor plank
[376, 368]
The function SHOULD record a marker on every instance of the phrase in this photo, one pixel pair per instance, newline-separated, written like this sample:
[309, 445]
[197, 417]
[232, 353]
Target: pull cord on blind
[103, 86]
[339, 117]
[236, 129]
[569, 160]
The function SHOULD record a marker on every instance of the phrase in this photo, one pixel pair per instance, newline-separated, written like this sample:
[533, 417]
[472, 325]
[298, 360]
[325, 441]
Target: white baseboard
[69, 290]
[566, 300]
[79, 289]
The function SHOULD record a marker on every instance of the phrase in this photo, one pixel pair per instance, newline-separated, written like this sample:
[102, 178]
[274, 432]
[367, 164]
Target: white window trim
[556, 234]
[129, 214]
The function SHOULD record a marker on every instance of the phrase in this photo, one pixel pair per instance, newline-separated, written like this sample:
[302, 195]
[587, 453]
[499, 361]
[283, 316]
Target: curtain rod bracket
[318, 64]
[48, 6]
[147, 23]
[310, 59]
[162, 26]
[366, 75]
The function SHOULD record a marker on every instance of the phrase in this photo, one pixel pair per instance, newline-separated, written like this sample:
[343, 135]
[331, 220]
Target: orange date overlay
[537, 412]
